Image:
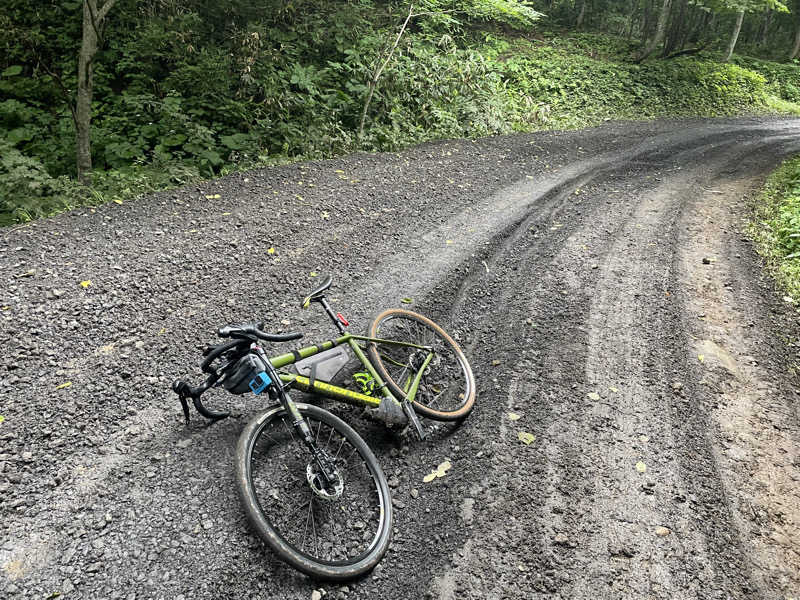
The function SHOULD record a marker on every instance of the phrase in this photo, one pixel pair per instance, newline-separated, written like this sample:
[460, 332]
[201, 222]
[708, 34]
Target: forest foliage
[189, 89]
[776, 227]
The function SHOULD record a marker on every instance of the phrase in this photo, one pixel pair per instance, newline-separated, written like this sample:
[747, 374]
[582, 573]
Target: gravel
[575, 259]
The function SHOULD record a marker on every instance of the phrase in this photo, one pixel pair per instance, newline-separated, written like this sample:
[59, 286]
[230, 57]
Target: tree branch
[105, 8]
[93, 20]
[380, 69]
[55, 77]
[64, 89]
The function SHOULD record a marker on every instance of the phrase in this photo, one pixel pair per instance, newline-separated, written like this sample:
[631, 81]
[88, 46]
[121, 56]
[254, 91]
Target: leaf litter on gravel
[526, 438]
[439, 471]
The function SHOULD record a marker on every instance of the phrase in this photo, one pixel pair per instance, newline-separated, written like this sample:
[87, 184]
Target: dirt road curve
[600, 284]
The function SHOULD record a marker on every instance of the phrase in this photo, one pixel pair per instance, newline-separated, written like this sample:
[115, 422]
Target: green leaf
[526, 438]
[237, 141]
[12, 71]
[20, 134]
[176, 139]
[407, 300]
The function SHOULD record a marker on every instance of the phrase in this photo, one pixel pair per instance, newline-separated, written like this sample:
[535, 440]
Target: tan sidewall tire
[425, 411]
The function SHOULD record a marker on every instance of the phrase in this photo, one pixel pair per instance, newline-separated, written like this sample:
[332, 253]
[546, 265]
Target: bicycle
[293, 460]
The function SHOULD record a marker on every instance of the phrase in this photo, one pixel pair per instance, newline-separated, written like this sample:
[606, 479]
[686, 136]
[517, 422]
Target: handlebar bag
[239, 375]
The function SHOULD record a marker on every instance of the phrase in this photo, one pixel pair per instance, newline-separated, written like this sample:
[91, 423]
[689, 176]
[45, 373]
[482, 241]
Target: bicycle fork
[300, 425]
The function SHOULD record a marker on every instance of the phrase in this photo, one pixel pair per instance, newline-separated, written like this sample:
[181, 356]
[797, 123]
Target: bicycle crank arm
[413, 419]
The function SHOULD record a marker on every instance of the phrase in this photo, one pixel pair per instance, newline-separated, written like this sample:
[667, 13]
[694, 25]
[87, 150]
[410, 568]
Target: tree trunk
[675, 30]
[83, 104]
[796, 47]
[646, 21]
[581, 14]
[734, 36]
[661, 27]
[92, 26]
[768, 14]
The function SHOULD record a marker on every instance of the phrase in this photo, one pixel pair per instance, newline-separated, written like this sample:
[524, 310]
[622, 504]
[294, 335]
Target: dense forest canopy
[117, 92]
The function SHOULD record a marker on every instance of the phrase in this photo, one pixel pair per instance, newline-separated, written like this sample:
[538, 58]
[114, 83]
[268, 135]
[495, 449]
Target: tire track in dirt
[598, 428]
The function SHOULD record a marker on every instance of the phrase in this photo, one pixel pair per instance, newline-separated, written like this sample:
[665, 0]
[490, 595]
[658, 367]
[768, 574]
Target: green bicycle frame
[339, 393]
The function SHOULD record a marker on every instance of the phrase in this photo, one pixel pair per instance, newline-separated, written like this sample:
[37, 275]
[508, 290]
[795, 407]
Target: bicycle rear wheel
[447, 389]
[335, 534]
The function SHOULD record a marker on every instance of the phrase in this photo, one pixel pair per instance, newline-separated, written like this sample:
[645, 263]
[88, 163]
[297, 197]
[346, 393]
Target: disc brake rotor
[317, 482]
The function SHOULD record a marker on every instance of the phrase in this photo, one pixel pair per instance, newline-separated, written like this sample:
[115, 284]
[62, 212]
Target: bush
[776, 226]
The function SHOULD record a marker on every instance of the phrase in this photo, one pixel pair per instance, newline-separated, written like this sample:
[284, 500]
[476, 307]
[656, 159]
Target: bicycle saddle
[316, 295]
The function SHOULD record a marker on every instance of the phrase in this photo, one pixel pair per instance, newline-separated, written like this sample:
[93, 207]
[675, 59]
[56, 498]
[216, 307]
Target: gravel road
[599, 282]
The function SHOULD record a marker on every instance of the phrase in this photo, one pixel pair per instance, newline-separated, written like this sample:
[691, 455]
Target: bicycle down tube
[333, 391]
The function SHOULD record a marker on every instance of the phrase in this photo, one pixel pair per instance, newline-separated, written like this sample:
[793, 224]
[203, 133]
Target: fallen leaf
[448, 241]
[641, 467]
[312, 274]
[445, 466]
[163, 331]
[117, 201]
[429, 477]
[2, 418]
[593, 396]
[87, 283]
[271, 250]
[701, 358]
[613, 389]
[526, 438]
[66, 384]
[225, 214]
[6, 308]
[325, 215]
[30, 273]
[512, 416]
[213, 197]
[406, 300]
[662, 531]
[495, 362]
[644, 438]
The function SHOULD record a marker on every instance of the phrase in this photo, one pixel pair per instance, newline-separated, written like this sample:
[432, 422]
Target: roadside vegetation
[167, 93]
[776, 227]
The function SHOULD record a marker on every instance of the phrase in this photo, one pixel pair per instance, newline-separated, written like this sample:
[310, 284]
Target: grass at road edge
[775, 227]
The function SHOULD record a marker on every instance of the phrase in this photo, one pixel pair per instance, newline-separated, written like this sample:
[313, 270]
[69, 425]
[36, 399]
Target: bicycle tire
[265, 512]
[450, 362]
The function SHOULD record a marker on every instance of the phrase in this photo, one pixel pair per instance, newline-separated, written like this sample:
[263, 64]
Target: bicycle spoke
[336, 528]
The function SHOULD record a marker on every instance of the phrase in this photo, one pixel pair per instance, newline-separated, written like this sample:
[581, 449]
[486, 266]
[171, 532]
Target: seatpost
[333, 317]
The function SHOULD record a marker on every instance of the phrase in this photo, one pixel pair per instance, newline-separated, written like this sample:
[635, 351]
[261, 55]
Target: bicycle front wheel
[336, 533]
[447, 387]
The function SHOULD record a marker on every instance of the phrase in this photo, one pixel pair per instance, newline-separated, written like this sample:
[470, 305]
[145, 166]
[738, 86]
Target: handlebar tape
[252, 329]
